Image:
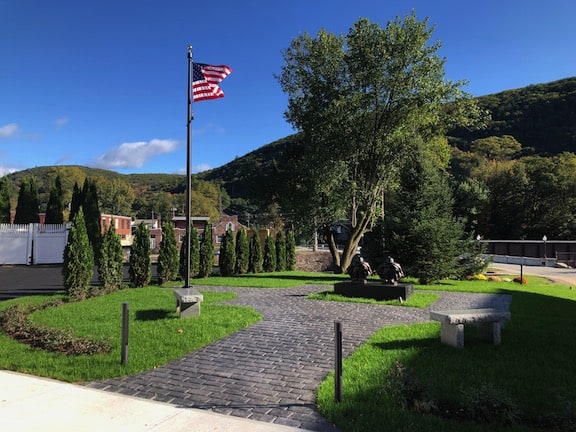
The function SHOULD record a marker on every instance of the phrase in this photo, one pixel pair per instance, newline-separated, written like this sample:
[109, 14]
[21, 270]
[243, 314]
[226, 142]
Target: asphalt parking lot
[22, 280]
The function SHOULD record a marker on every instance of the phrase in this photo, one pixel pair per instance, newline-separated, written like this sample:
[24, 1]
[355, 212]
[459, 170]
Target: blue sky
[103, 83]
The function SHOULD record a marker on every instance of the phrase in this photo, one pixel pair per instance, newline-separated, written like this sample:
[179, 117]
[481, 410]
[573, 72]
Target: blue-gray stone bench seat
[489, 323]
[188, 302]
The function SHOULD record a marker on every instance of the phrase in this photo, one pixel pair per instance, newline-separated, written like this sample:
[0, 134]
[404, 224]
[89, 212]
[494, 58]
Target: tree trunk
[334, 252]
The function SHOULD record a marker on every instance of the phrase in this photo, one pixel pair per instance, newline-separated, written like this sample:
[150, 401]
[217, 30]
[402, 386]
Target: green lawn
[402, 379]
[157, 333]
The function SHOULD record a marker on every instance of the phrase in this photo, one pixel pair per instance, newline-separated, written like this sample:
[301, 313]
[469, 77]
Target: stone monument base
[374, 290]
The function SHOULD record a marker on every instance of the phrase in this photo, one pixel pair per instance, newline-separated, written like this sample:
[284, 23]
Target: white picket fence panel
[32, 243]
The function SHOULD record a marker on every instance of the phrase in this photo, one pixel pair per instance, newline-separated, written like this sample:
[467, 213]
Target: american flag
[206, 79]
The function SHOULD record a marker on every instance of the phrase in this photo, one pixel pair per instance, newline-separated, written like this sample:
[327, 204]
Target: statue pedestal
[375, 290]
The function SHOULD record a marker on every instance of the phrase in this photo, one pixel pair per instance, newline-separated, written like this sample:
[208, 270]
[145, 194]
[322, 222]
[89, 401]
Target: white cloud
[136, 154]
[196, 169]
[61, 122]
[5, 170]
[202, 167]
[8, 130]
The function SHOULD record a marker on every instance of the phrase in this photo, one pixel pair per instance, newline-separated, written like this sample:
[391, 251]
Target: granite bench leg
[452, 334]
[187, 309]
[490, 331]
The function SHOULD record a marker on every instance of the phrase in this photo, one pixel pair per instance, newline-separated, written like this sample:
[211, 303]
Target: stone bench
[489, 323]
[188, 302]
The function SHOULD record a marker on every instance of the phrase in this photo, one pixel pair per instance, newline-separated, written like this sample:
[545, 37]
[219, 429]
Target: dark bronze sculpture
[359, 269]
[390, 272]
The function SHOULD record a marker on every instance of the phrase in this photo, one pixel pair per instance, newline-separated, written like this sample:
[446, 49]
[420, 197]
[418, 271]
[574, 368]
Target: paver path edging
[270, 370]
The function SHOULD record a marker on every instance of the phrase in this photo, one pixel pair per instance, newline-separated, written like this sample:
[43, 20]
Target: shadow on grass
[153, 314]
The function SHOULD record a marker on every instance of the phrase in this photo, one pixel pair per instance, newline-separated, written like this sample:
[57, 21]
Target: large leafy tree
[361, 100]
[55, 206]
[4, 200]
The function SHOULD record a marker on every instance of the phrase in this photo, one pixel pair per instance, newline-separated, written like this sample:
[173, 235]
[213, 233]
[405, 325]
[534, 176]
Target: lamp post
[544, 239]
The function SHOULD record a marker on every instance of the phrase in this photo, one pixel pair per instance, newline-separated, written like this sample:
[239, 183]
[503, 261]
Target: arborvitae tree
[194, 256]
[55, 207]
[227, 257]
[242, 252]
[76, 201]
[110, 261]
[290, 251]
[269, 255]
[4, 201]
[182, 258]
[168, 254]
[27, 206]
[92, 214]
[206, 253]
[421, 232]
[255, 259]
[78, 266]
[140, 267]
[280, 252]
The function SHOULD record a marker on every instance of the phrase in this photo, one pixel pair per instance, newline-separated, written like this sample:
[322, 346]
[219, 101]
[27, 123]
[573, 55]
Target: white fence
[32, 243]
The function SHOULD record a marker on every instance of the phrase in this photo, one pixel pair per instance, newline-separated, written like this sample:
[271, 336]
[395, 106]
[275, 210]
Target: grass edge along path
[403, 379]
[157, 334]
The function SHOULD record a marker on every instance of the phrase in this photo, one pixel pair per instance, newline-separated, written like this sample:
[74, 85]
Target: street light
[544, 238]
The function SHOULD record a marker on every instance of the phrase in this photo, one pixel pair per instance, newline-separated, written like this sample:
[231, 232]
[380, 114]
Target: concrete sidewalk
[29, 403]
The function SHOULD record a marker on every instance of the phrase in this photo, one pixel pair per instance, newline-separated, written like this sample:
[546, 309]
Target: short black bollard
[125, 318]
[338, 361]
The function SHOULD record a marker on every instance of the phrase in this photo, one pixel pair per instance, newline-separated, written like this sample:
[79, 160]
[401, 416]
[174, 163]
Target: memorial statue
[359, 269]
[390, 272]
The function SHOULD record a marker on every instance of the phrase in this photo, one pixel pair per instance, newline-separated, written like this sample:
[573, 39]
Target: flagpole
[188, 168]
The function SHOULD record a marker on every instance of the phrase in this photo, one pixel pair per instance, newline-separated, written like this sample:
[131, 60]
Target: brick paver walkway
[269, 371]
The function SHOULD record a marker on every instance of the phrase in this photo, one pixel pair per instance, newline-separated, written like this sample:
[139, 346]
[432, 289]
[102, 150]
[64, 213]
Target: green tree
[280, 252]
[168, 263]
[227, 256]
[110, 261]
[91, 210]
[55, 206]
[140, 266]
[206, 253]
[194, 255]
[242, 252]
[27, 207]
[421, 232]
[496, 148]
[255, 259]
[4, 201]
[290, 251]
[115, 196]
[269, 264]
[361, 100]
[78, 265]
[76, 201]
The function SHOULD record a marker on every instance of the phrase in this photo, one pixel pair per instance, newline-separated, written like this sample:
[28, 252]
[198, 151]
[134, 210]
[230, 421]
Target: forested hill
[541, 117]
